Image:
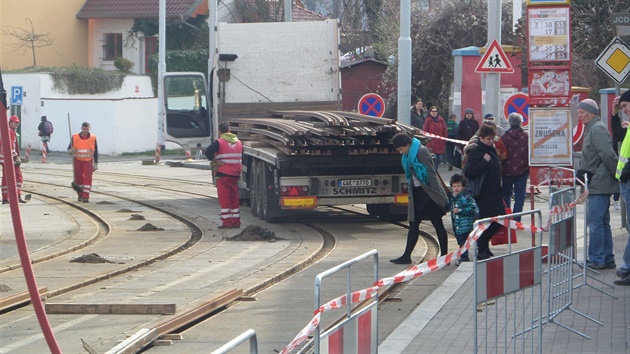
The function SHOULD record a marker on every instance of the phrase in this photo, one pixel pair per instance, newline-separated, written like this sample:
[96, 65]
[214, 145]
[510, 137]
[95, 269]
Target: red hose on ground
[20, 239]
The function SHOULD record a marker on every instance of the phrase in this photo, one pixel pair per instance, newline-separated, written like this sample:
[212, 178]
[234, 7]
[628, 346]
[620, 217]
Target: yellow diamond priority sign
[615, 60]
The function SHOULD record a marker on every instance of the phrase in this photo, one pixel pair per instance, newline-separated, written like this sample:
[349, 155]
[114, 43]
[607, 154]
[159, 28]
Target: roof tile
[137, 8]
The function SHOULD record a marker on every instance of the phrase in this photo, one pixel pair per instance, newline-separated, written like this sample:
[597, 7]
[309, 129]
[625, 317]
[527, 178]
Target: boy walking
[464, 212]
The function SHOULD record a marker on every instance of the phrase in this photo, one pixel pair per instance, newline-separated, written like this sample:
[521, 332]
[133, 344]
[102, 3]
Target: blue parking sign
[16, 95]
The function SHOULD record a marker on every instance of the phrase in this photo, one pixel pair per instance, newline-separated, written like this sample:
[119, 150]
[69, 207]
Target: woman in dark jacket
[427, 197]
[484, 159]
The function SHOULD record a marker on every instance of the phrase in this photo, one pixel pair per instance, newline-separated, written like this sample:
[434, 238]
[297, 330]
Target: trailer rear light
[401, 199]
[294, 190]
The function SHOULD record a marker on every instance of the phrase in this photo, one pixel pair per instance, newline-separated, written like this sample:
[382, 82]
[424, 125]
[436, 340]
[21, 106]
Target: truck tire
[253, 187]
[270, 209]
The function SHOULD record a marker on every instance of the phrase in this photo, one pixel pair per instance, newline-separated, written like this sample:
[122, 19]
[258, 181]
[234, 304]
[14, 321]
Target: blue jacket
[468, 212]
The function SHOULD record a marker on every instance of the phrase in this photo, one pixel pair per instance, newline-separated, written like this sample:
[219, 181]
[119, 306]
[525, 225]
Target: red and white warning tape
[461, 142]
[421, 269]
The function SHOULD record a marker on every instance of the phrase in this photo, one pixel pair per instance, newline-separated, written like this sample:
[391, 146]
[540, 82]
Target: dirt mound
[90, 258]
[254, 233]
[104, 202]
[150, 227]
[125, 210]
[4, 288]
[136, 217]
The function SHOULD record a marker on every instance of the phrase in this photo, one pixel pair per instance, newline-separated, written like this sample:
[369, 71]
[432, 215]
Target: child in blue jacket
[464, 211]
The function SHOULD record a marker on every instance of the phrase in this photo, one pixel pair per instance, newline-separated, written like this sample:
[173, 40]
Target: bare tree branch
[29, 40]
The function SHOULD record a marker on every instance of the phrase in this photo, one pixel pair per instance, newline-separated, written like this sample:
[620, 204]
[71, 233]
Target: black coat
[490, 200]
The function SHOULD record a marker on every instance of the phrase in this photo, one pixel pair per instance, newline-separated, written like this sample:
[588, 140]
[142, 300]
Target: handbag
[475, 184]
[457, 158]
[501, 237]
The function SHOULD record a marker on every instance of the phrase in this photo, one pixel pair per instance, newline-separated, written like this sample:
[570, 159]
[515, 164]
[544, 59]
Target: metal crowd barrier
[250, 335]
[513, 284]
[361, 328]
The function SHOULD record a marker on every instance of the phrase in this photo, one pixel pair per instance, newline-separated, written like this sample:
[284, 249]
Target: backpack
[48, 128]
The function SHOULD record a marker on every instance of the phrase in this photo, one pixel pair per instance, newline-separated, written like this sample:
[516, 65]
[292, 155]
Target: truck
[278, 86]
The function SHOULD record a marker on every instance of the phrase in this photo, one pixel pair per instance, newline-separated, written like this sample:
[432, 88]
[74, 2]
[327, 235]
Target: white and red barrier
[422, 269]
[158, 151]
[28, 152]
[44, 153]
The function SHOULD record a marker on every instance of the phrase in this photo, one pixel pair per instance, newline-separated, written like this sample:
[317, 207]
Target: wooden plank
[111, 309]
[20, 298]
[134, 343]
[196, 313]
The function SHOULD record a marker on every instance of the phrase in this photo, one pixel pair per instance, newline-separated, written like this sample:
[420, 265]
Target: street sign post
[372, 104]
[615, 60]
[517, 103]
[494, 60]
[16, 95]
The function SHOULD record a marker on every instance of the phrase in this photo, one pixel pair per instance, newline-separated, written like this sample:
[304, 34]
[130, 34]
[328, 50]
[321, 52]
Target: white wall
[124, 120]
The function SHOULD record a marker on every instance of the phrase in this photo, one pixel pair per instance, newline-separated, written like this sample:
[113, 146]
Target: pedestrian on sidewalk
[418, 114]
[45, 129]
[483, 163]
[226, 155]
[14, 122]
[427, 197]
[435, 125]
[515, 169]
[451, 127]
[84, 149]
[623, 174]
[464, 212]
[618, 135]
[599, 164]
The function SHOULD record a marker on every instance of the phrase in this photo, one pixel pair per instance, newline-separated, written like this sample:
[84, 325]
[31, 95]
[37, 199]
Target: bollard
[28, 152]
[44, 153]
[158, 150]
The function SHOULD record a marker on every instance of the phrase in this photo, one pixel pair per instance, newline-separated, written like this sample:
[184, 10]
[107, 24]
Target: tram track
[161, 184]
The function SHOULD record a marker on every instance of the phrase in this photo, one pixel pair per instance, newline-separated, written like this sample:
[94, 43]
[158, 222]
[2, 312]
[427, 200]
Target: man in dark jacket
[515, 169]
[598, 161]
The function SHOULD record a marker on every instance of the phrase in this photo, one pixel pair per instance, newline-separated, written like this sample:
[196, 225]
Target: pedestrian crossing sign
[494, 60]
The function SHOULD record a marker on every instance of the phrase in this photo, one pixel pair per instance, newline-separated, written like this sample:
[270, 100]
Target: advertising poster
[550, 137]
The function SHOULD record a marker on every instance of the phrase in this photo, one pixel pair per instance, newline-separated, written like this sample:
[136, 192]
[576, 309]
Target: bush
[123, 64]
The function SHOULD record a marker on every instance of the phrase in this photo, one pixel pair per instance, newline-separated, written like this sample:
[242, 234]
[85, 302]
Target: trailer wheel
[270, 209]
[253, 188]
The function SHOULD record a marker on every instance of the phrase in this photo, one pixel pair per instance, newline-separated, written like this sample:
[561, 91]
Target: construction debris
[150, 227]
[90, 258]
[255, 233]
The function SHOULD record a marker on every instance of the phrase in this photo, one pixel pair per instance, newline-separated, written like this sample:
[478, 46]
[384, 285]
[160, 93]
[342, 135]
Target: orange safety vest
[231, 155]
[83, 148]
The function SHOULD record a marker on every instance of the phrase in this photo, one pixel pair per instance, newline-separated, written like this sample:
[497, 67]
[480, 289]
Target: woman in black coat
[484, 159]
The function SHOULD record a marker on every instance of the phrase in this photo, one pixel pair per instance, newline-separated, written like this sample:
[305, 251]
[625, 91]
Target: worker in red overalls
[85, 151]
[226, 154]
[14, 122]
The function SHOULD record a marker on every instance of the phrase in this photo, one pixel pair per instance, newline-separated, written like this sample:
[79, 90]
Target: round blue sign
[518, 103]
[372, 104]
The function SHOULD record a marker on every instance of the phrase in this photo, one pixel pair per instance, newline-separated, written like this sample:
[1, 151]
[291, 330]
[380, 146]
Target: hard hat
[14, 119]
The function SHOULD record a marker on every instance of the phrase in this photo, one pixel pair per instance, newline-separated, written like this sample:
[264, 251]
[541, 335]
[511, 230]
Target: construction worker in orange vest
[85, 151]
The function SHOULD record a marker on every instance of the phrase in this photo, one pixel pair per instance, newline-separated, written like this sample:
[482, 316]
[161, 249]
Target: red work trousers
[227, 189]
[83, 171]
[18, 182]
